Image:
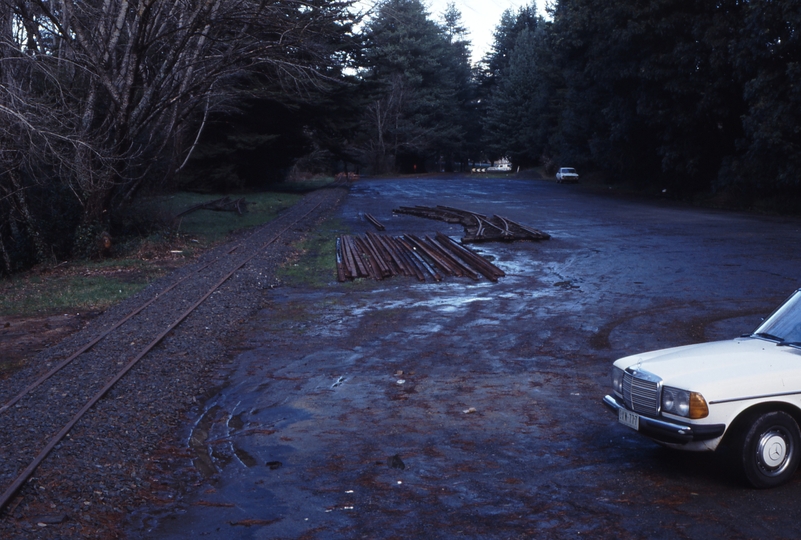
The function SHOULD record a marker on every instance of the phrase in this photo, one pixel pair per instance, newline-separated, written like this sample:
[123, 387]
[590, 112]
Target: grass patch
[210, 227]
[302, 186]
[315, 266]
[8, 367]
[155, 245]
[69, 291]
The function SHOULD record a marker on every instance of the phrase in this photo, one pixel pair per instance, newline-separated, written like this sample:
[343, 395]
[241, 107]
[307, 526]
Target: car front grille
[641, 392]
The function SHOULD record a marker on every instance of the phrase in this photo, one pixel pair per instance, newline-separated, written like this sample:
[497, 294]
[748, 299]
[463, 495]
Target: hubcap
[773, 452]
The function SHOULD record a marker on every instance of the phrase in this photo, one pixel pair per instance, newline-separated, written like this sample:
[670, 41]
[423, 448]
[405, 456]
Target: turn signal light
[698, 406]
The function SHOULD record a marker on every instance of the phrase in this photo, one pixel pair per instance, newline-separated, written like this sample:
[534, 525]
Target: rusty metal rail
[377, 224]
[478, 227]
[11, 490]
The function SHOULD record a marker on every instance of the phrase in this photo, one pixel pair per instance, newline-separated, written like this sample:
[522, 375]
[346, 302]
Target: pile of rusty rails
[381, 256]
[478, 227]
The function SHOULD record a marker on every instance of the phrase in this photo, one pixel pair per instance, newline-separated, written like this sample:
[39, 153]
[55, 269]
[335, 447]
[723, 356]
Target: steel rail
[354, 257]
[460, 211]
[480, 230]
[467, 253]
[340, 265]
[377, 224]
[508, 232]
[534, 233]
[386, 250]
[466, 268]
[64, 363]
[25, 475]
[418, 259]
[374, 255]
[31, 387]
[371, 262]
[347, 259]
[406, 257]
[487, 269]
[445, 265]
[488, 222]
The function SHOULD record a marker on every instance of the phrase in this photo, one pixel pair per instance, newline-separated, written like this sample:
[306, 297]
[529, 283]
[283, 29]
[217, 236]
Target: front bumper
[670, 431]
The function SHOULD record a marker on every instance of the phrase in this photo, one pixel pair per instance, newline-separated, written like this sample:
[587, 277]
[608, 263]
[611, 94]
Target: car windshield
[784, 324]
[567, 170]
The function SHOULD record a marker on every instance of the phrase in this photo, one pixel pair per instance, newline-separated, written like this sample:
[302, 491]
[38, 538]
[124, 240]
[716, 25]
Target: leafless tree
[391, 130]
[105, 95]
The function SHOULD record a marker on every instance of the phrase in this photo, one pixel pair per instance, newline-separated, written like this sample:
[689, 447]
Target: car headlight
[617, 380]
[683, 403]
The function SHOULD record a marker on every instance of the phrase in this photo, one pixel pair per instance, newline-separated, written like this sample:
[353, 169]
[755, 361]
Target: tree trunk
[30, 222]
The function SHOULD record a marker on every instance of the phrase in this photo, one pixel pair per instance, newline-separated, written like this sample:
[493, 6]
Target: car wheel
[770, 447]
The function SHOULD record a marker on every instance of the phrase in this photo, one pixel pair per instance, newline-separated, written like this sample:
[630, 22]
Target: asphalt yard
[471, 409]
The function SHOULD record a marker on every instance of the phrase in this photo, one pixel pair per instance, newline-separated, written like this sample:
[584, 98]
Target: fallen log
[225, 204]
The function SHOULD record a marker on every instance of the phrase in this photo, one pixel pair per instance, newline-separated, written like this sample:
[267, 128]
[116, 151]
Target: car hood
[724, 370]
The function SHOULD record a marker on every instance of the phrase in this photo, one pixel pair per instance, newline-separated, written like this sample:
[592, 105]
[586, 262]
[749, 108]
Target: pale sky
[479, 16]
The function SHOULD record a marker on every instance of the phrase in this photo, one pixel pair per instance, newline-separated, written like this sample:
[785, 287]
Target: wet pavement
[400, 409]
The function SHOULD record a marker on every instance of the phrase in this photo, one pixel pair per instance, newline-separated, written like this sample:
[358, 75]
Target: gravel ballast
[126, 452]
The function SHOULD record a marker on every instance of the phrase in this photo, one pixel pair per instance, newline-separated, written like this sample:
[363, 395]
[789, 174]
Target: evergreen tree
[768, 59]
[278, 123]
[505, 37]
[650, 94]
[676, 94]
[466, 116]
[412, 73]
[511, 88]
[523, 108]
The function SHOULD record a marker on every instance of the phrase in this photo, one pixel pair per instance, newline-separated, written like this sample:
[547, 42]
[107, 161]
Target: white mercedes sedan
[743, 395]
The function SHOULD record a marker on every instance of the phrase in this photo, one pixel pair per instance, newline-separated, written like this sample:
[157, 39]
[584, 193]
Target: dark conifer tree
[415, 76]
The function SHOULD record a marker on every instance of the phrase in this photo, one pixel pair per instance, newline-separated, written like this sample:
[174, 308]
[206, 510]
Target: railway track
[38, 412]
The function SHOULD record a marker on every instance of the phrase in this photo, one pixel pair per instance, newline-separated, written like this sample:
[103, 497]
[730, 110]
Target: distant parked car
[746, 392]
[502, 167]
[567, 174]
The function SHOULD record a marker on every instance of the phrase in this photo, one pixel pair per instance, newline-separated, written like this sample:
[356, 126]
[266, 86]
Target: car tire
[769, 447]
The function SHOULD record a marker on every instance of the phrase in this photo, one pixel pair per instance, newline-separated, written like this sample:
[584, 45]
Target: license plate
[628, 418]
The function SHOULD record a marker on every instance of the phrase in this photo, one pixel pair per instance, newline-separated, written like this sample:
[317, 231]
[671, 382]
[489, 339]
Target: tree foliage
[685, 95]
[417, 78]
[523, 103]
[98, 99]
[767, 49]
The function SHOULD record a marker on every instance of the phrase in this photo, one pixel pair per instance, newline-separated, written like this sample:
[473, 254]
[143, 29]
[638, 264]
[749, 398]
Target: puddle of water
[484, 322]
[430, 328]
[448, 304]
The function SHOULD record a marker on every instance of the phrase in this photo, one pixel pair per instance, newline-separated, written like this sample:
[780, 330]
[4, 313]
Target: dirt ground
[470, 409]
[21, 338]
[399, 409]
